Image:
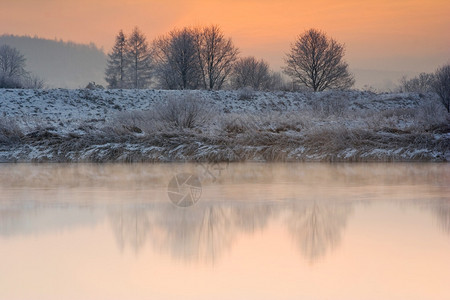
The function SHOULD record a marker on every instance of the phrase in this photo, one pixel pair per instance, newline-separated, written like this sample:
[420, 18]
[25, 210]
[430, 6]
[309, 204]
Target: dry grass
[9, 130]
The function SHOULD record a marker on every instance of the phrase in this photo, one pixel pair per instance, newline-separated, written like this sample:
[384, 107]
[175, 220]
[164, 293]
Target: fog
[60, 64]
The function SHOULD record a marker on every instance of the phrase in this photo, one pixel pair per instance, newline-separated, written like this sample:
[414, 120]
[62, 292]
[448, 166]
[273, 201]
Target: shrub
[9, 130]
[186, 112]
[329, 105]
[246, 93]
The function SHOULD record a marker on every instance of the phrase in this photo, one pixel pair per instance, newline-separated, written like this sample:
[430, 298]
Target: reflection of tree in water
[254, 216]
[202, 233]
[316, 226]
[131, 226]
[441, 210]
[443, 214]
[199, 233]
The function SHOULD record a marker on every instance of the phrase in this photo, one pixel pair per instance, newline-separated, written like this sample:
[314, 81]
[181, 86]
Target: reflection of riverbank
[312, 202]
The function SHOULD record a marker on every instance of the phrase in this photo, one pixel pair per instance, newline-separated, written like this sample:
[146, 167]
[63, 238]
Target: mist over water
[258, 231]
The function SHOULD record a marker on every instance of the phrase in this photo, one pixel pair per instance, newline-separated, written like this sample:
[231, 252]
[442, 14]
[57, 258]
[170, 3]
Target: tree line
[204, 58]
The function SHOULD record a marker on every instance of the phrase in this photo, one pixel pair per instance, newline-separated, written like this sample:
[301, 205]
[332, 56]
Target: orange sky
[381, 34]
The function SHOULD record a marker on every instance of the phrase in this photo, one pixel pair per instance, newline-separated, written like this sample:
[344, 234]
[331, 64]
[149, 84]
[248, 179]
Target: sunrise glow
[382, 34]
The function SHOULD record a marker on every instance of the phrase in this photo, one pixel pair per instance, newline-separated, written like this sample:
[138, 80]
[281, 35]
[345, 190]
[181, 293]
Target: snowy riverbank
[152, 125]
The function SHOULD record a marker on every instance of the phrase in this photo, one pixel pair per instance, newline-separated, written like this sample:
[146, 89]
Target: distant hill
[60, 64]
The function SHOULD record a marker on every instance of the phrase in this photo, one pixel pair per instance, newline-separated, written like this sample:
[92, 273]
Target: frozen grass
[218, 126]
[10, 132]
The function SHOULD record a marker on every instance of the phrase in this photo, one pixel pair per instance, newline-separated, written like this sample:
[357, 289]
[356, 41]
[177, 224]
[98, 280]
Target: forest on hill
[60, 64]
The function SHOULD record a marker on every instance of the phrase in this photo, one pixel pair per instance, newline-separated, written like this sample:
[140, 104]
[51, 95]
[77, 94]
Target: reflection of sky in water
[320, 210]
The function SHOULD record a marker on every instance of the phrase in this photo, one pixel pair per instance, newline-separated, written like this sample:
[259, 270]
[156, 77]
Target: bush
[9, 83]
[26, 82]
[126, 122]
[430, 114]
[9, 130]
[246, 93]
[330, 105]
[187, 112]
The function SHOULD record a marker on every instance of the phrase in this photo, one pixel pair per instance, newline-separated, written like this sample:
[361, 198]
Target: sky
[392, 35]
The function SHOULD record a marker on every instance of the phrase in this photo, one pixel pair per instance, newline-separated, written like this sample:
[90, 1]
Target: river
[225, 231]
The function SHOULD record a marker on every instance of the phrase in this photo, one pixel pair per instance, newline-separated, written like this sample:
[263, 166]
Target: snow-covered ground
[139, 125]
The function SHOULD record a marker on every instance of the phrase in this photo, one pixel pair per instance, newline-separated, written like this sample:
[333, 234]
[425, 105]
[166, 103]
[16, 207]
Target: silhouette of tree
[442, 85]
[422, 83]
[139, 57]
[177, 60]
[316, 62]
[216, 55]
[250, 72]
[117, 64]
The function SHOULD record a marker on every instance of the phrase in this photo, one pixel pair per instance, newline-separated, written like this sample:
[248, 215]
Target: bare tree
[115, 74]
[250, 72]
[277, 82]
[176, 59]
[442, 85]
[139, 56]
[422, 83]
[12, 67]
[216, 55]
[166, 78]
[316, 61]
[33, 82]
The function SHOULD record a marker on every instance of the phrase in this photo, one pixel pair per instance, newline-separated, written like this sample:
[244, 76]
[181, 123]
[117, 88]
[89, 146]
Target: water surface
[258, 231]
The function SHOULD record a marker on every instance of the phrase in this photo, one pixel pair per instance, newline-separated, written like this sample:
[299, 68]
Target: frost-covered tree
[13, 73]
[216, 56]
[441, 85]
[194, 58]
[12, 67]
[316, 62]
[250, 72]
[420, 84]
[117, 65]
[176, 60]
[140, 60]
